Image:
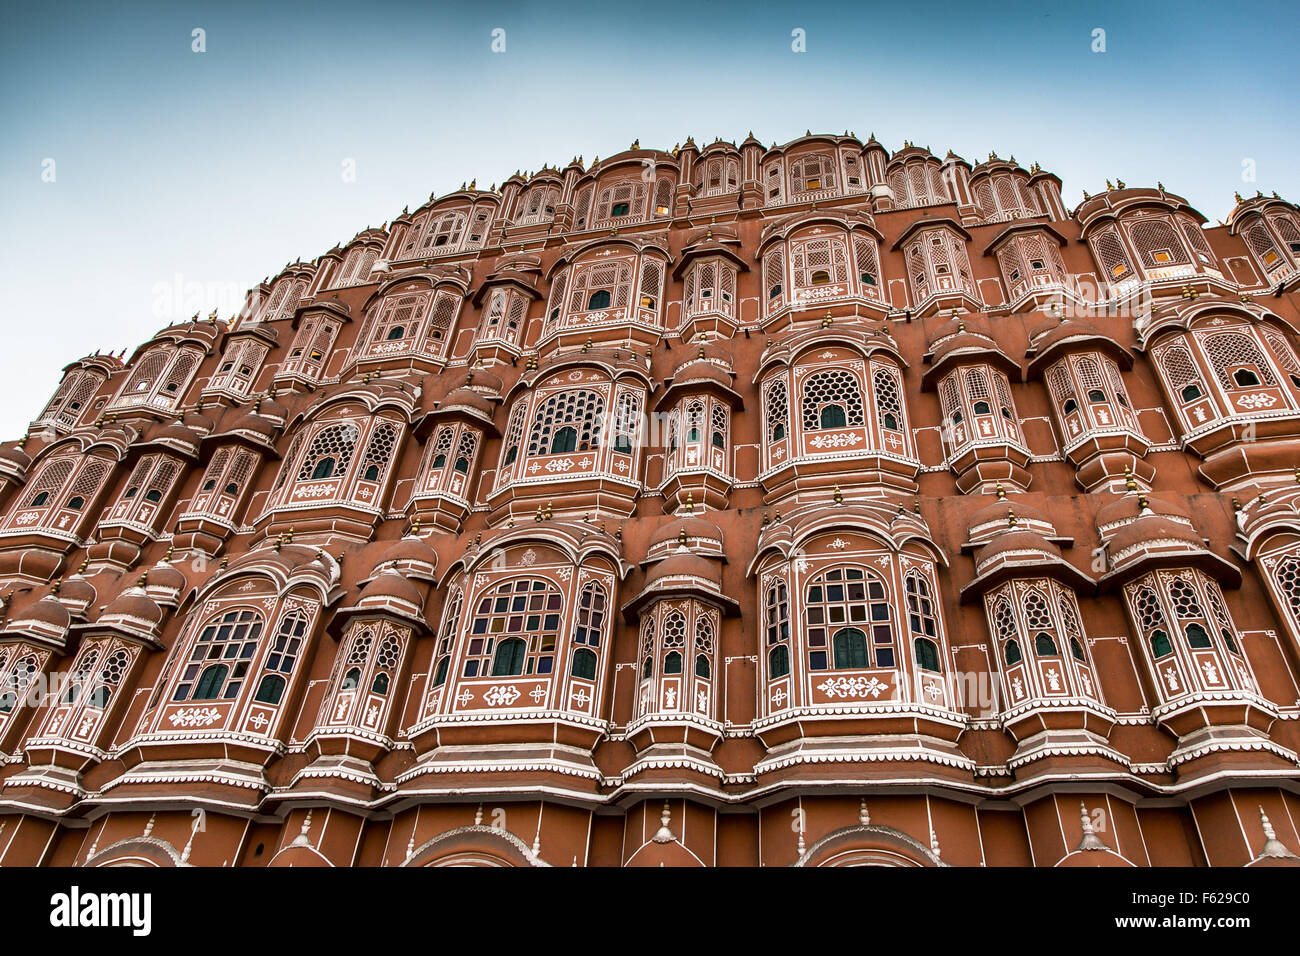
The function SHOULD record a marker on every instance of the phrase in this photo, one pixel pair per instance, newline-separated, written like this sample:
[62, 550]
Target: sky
[143, 180]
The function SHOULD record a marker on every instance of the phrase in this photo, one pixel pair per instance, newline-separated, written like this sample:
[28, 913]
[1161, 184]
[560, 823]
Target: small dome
[701, 370]
[390, 585]
[997, 512]
[693, 526]
[165, 575]
[15, 457]
[685, 566]
[135, 606]
[1129, 507]
[256, 425]
[47, 613]
[1017, 546]
[199, 422]
[77, 591]
[1154, 530]
[466, 398]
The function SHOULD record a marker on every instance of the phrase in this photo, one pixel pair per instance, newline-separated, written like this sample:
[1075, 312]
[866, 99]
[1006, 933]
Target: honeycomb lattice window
[580, 410]
[888, 400]
[335, 443]
[1108, 249]
[379, 452]
[1287, 576]
[836, 388]
[777, 410]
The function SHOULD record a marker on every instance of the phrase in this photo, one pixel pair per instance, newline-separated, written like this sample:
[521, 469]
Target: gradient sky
[214, 169]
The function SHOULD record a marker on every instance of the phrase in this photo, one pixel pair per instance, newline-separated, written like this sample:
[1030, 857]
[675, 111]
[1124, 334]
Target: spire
[665, 834]
[1090, 840]
[1273, 848]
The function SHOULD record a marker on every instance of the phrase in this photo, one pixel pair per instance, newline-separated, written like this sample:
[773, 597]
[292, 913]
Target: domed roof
[48, 612]
[391, 585]
[1152, 530]
[1047, 344]
[997, 512]
[176, 435]
[133, 607]
[1129, 507]
[410, 556]
[199, 422]
[685, 566]
[467, 398]
[77, 592]
[166, 575]
[1018, 545]
[699, 370]
[15, 457]
[693, 527]
[255, 424]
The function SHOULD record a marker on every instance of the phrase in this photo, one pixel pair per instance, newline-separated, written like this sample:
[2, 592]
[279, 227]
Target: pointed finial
[1090, 840]
[665, 834]
[864, 818]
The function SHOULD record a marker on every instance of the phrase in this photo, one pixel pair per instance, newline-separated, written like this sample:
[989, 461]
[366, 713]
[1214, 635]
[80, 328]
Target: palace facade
[804, 505]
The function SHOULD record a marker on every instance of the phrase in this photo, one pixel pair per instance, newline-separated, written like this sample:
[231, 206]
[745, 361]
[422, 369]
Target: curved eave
[1094, 340]
[982, 356]
[1009, 569]
[695, 386]
[920, 224]
[1029, 226]
[456, 413]
[682, 587]
[1219, 568]
[707, 250]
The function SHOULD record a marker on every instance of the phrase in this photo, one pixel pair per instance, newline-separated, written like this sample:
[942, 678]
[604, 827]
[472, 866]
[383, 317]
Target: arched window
[379, 685]
[832, 416]
[584, 664]
[271, 689]
[1011, 653]
[210, 682]
[850, 646]
[509, 658]
[599, 299]
[564, 440]
[1160, 646]
[776, 410]
[927, 654]
[778, 661]
[673, 663]
[702, 667]
[1044, 646]
[324, 468]
[351, 679]
[1197, 637]
[440, 675]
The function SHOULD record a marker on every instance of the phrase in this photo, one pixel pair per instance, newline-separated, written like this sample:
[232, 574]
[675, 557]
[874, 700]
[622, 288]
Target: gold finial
[1130, 483]
[1011, 518]
[681, 537]
[538, 517]
[998, 490]
[839, 498]
[826, 319]
[548, 511]
[690, 502]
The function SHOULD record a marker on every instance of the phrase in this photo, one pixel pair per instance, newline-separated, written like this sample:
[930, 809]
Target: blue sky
[213, 169]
